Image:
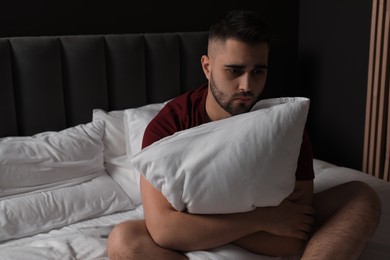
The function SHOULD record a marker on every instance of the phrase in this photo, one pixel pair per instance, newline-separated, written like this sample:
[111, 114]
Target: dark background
[321, 50]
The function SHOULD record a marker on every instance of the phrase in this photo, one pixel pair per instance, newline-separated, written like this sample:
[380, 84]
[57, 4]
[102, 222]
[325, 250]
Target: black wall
[333, 49]
[43, 17]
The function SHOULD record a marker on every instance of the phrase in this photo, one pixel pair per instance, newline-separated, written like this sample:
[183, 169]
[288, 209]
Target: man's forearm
[250, 230]
[267, 244]
[219, 230]
[189, 232]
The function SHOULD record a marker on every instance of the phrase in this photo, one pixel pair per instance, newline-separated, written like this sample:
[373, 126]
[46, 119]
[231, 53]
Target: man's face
[237, 74]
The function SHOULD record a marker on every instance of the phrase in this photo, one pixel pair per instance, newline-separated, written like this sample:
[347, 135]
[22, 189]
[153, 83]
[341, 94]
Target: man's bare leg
[131, 240]
[348, 215]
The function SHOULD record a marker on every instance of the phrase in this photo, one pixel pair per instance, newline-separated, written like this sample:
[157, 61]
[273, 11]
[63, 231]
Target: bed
[73, 109]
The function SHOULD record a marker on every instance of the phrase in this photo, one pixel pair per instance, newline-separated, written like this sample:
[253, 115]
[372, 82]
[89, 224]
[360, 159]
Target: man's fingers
[295, 195]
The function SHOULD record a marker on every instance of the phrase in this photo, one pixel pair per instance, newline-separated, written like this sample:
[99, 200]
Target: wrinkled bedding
[87, 239]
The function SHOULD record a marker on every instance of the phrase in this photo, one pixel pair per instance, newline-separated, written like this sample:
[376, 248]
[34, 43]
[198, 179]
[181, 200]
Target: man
[333, 224]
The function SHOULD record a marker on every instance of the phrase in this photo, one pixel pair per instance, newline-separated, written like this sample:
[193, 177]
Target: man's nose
[245, 83]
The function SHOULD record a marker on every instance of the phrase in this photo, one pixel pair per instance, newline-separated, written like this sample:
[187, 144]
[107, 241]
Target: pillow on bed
[51, 159]
[40, 212]
[116, 161]
[136, 121]
[55, 178]
[114, 135]
[119, 142]
[230, 165]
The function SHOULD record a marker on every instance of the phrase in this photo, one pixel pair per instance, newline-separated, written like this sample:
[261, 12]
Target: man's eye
[259, 71]
[235, 71]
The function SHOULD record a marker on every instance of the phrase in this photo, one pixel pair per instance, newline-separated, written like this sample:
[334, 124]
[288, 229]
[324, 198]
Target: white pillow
[230, 165]
[51, 159]
[120, 168]
[53, 179]
[117, 147]
[39, 212]
[116, 161]
[121, 171]
[136, 121]
[114, 136]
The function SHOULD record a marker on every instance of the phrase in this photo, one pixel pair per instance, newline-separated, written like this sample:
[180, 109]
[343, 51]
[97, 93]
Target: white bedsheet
[87, 240]
[83, 240]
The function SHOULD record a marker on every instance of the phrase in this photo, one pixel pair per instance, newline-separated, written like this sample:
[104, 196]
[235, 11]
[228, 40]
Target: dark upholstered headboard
[54, 82]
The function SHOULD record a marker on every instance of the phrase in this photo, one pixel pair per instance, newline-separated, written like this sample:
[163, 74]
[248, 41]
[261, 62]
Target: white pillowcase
[114, 135]
[136, 121]
[116, 161]
[121, 171]
[53, 179]
[230, 165]
[123, 134]
[39, 212]
[51, 159]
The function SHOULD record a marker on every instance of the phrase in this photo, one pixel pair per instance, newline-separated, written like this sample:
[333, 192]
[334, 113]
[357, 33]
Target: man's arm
[182, 231]
[269, 244]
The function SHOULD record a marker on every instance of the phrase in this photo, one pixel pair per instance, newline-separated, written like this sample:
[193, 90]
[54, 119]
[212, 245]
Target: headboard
[49, 83]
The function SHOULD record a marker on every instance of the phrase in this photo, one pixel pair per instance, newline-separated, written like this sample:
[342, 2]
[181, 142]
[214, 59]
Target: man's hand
[290, 218]
[285, 228]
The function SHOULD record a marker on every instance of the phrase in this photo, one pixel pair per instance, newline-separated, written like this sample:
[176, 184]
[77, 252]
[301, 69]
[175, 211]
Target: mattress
[87, 239]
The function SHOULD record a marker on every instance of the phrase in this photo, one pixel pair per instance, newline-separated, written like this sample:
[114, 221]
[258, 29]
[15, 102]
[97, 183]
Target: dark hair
[243, 25]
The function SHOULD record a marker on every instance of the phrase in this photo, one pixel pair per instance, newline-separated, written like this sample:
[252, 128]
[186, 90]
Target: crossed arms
[280, 230]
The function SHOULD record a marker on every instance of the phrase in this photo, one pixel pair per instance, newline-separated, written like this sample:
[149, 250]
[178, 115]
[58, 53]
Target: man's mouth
[243, 99]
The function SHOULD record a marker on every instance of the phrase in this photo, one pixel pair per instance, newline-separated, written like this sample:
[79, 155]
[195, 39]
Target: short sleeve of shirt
[183, 112]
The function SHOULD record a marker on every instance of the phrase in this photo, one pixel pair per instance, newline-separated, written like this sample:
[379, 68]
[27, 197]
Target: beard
[226, 102]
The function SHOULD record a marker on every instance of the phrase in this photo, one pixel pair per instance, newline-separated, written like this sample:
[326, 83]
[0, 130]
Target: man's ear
[205, 61]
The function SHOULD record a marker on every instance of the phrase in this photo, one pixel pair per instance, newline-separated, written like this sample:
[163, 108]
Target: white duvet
[87, 239]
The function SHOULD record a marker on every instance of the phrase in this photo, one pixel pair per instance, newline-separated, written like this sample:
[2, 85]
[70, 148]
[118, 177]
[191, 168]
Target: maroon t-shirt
[189, 110]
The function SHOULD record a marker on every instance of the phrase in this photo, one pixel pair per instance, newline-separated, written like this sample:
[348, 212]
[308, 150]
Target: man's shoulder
[193, 95]
[179, 113]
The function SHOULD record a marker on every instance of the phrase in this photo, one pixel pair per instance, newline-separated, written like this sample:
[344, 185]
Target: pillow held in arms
[231, 165]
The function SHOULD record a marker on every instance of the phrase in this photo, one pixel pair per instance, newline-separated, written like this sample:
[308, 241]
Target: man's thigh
[354, 195]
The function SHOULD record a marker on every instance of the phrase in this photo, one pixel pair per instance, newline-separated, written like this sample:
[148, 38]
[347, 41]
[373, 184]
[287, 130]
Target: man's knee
[355, 196]
[369, 199]
[126, 239]
[131, 240]
[362, 192]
